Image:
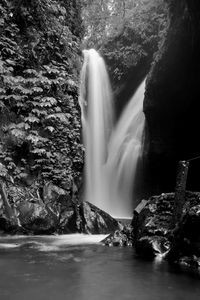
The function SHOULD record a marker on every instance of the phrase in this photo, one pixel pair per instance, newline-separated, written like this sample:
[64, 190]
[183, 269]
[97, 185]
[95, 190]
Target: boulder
[190, 262]
[120, 238]
[152, 225]
[84, 217]
[35, 218]
[154, 234]
[151, 246]
[53, 210]
[97, 221]
[186, 237]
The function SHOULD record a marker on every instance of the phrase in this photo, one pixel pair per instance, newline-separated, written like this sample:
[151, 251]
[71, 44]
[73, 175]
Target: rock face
[172, 103]
[186, 239]
[151, 227]
[153, 233]
[54, 211]
[126, 88]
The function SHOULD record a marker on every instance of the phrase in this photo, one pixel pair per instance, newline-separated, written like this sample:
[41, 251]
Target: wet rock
[190, 262]
[51, 193]
[85, 217]
[120, 238]
[186, 237]
[70, 220]
[153, 233]
[53, 210]
[151, 246]
[6, 225]
[97, 221]
[35, 218]
[152, 226]
[155, 217]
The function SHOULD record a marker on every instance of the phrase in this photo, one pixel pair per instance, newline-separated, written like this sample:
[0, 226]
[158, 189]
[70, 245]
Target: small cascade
[112, 154]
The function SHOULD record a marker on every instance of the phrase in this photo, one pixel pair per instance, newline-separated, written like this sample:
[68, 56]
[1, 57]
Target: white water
[48, 243]
[97, 118]
[125, 150]
[111, 153]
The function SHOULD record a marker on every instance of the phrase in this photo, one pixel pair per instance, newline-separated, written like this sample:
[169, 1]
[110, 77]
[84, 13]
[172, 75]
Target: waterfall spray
[111, 153]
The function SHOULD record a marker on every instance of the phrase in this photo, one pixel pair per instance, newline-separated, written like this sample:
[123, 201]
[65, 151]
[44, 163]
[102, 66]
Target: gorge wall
[172, 103]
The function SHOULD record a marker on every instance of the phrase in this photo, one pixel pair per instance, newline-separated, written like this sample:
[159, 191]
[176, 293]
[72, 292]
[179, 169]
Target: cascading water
[97, 118]
[124, 152]
[111, 153]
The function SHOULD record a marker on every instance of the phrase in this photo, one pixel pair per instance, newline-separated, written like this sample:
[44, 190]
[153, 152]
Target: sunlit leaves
[31, 119]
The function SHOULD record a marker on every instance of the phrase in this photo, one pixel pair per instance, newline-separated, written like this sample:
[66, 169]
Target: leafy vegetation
[39, 68]
[39, 65]
[125, 32]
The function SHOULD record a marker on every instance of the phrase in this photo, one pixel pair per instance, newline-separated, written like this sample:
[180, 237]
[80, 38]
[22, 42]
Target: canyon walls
[172, 100]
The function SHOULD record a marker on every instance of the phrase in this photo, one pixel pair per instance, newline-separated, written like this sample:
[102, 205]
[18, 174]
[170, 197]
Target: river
[77, 267]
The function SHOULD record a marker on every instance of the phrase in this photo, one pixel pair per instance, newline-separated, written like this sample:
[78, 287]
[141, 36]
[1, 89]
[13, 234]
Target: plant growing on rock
[126, 32]
[40, 115]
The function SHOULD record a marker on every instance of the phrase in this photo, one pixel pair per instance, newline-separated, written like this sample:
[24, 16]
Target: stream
[78, 267]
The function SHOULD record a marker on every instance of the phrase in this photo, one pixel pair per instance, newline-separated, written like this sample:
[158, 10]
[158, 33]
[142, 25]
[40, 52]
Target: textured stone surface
[153, 232]
[171, 101]
[35, 218]
[120, 238]
[53, 211]
[186, 237]
[98, 221]
[151, 227]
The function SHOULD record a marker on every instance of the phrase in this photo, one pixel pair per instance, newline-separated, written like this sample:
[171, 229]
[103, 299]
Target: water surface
[77, 267]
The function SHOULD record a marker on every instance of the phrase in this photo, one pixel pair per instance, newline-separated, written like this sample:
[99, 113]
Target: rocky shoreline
[152, 234]
[29, 210]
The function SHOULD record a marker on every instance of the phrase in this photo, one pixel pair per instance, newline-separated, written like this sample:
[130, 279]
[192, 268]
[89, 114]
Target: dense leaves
[125, 32]
[39, 65]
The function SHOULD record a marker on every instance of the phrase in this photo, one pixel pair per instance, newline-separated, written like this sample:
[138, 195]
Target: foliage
[40, 116]
[125, 32]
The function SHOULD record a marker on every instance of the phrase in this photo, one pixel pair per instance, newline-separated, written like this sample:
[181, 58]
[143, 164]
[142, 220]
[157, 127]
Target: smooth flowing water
[97, 118]
[124, 152]
[112, 153]
[77, 267]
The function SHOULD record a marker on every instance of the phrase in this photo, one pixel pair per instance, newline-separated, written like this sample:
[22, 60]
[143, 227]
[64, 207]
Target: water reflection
[87, 271]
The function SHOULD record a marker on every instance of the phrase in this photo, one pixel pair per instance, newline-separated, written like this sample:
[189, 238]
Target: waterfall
[124, 152]
[97, 118]
[111, 153]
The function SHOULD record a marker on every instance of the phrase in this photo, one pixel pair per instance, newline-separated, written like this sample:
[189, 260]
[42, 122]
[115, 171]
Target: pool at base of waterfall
[78, 267]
